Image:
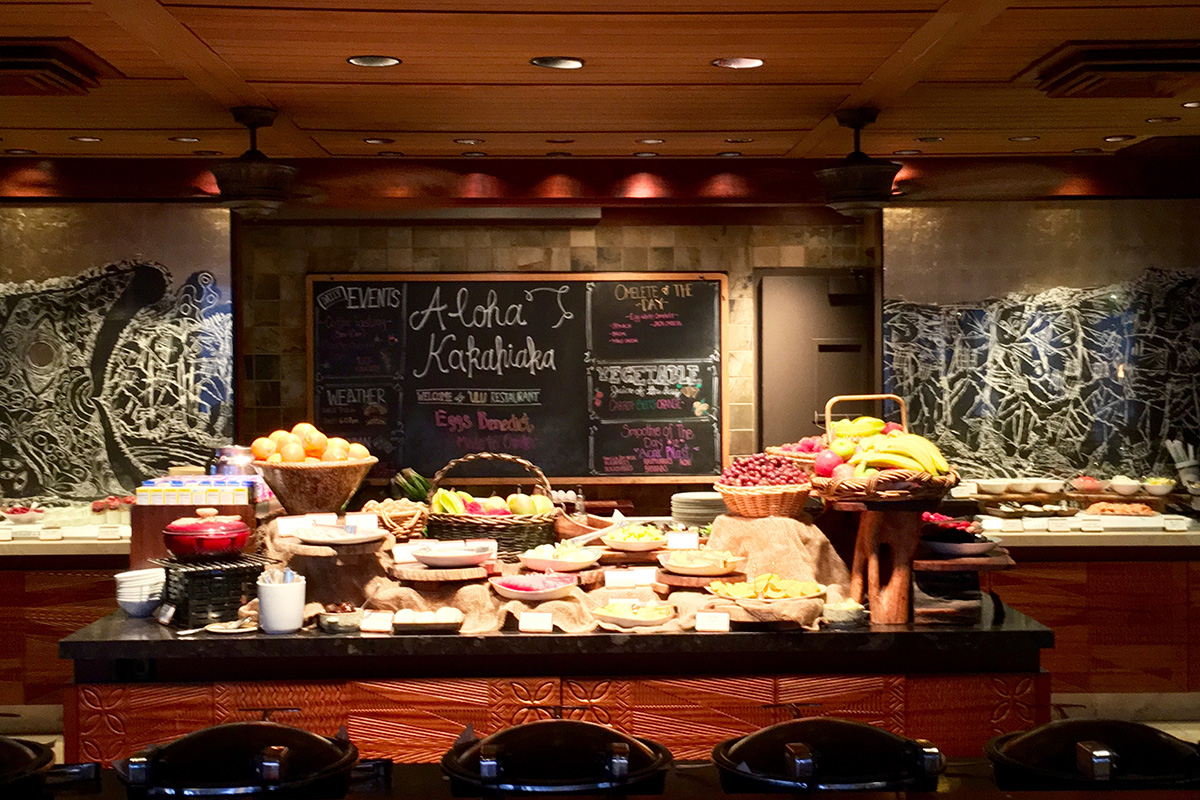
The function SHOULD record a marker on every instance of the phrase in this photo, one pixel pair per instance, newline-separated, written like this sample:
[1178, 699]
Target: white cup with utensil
[281, 597]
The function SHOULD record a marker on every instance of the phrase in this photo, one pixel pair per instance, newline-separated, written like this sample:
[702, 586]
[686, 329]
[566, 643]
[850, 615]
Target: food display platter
[419, 573]
[674, 581]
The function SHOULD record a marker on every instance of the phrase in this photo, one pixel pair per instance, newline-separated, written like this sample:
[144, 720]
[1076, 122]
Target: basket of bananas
[867, 459]
[518, 522]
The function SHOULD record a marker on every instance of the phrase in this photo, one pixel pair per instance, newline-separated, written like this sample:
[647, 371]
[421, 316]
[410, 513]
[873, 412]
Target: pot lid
[20, 758]
[238, 755]
[555, 755]
[1091, 751]
[830, 753]
[207, 520]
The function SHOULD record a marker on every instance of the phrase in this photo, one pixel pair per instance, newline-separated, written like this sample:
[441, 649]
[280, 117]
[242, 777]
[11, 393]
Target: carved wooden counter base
[416, 721]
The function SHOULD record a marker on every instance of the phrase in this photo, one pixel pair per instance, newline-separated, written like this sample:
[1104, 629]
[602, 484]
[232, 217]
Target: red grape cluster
[761, 469]
[942, 521]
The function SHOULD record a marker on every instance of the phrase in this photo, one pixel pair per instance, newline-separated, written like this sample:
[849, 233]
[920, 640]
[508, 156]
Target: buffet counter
[409, 697]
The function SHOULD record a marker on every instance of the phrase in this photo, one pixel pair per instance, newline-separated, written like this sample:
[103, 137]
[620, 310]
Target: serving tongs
[618, 522]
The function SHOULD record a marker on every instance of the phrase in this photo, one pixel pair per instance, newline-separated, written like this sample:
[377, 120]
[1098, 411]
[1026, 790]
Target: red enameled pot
[206, 535]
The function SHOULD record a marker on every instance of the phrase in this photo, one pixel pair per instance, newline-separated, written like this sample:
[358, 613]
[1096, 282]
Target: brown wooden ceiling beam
[953, 25]
[178, 46]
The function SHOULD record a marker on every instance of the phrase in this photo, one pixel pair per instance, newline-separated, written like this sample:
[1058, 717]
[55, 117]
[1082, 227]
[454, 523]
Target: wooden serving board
[293, 546]
[419, 573]
[694, 581]
[612, 557]
[995, 561]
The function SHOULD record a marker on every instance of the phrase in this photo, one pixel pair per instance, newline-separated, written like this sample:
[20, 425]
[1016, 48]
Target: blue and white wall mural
[1053, 382]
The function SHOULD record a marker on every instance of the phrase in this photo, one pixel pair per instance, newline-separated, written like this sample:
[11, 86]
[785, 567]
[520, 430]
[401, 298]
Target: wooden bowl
[305, 488]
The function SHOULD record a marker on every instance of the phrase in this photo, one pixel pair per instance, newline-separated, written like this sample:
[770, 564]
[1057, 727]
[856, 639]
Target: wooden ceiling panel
[1019, 36]
[553, 109]
[120, 142]
[928, 107]
[589, 6]
[882, 142]
[91, 28]
[583, 144]
[121, 104]
[310, 47]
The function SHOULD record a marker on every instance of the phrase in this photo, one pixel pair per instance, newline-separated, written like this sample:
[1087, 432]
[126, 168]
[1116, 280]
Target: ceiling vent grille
[50, 67]
[1118, 69]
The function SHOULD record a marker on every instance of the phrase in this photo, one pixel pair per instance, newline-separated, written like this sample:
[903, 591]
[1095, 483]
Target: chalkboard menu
[584, 375]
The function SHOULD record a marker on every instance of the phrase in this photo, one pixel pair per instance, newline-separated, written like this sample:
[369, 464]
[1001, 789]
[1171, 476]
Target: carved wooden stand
[888, 534]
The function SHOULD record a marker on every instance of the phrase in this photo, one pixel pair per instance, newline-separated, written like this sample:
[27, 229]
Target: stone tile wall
[272, 260]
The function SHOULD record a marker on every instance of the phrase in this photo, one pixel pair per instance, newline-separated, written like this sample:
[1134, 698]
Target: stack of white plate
[139, 591]
[697, 508]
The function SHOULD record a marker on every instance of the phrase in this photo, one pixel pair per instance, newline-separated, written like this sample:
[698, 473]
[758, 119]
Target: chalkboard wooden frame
[720, 278]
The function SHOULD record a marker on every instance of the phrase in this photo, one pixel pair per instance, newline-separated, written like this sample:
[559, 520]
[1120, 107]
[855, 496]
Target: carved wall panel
[605, 702]
[415, 721]
[513, 701]
[875, 700]
[690, 716]
[959, 713]
[318, 706]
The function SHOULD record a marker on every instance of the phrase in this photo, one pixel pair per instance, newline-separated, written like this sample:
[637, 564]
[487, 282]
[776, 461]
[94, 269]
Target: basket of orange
[309, 471]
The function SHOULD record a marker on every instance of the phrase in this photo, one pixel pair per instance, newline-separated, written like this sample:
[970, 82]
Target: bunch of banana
[409, 483]
[900, 451]
[445, 501]
[858, 428]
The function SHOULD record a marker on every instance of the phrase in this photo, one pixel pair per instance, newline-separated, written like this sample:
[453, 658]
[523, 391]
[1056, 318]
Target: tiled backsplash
[273, 260]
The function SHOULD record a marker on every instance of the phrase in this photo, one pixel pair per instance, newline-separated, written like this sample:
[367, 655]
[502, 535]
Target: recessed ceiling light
[737, 62]
[468, 141]
[1086, 151]
[1162, 119]
[390, 153]
[645, 154]
[19, 151]
[206, 152]
[1023, 138]
[475, 153]
[1120, 137]
[557, 62]
[373, 61]
[1191, 104]
[558, 153]
[560, 141]
[185, 139]
[378, 140]
[650, 141]
[85, 139]
[906, 152]
[931, 139]
[738, 141]
[729, 153]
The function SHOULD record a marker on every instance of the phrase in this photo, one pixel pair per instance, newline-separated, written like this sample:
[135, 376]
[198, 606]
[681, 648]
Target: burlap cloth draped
[790, 548]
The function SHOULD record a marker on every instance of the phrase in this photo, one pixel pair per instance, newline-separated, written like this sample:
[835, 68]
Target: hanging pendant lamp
[253, 185]
[859, 183]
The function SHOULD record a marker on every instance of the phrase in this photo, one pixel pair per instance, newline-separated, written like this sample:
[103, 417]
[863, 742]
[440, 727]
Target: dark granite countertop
[120, 648]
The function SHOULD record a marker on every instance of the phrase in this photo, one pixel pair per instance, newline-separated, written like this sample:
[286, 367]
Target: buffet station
[438, 613]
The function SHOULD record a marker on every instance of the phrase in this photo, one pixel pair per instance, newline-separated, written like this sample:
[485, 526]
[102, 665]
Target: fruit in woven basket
[445, 501]
[542, 504]
[904, 451]
[761, 469]
[843, 472]
[827, 461]
[519, 503]
[843, 447]
[858, 428]
[808, 444]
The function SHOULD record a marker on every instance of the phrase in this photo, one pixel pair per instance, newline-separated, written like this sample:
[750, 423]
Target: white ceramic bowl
[1098, 486]
[532, 595]
[147, 593]
[1127, 486]
[1158, 489]
[1022, 486]
[140, 576]
[635, 547]
[992, 485]
[453, 557]
[1050, 485]
[340, 621]
[634, 622]
[844, 616]
[139, 608]
[702, 570]
[560, 564]
[26, 518]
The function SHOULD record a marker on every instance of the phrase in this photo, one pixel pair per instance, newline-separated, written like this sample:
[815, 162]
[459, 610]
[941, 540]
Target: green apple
[843, 447]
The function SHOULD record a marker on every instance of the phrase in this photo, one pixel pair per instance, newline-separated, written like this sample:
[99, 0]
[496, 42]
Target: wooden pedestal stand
[888, 533]
[335, 573]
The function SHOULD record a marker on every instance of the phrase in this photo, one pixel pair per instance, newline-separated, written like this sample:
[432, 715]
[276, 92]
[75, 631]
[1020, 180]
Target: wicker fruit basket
[764, 501]
[514, 534]
[806, 460]
[809, 460]
[401, 517]
[306, 488]
[892, 485]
